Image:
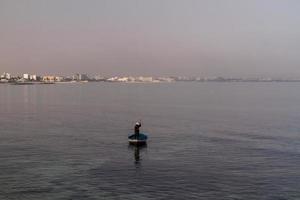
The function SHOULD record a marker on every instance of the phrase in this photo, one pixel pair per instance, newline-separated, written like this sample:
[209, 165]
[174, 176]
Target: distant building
[145, 79]
[113, 78]
[123, 79]
[33, 77]
[68, 78]
[26, 76]
[6, 76]
[165, 79]
[48, 78]
[80, 77]
[98, 78]
[83, 77]
[59, 78]
[75, 77]
[53, 78]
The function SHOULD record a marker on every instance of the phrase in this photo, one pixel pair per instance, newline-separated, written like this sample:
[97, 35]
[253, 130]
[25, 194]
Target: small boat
[142, 139]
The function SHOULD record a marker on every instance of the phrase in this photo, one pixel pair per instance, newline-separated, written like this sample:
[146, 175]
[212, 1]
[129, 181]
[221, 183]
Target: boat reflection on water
[136, 149]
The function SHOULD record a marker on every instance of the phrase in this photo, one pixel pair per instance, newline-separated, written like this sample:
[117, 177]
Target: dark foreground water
[206, 141]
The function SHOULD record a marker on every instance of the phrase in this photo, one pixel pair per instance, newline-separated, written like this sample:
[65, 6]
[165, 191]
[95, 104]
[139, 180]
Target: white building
[26, 76]
[80, 77]
[59, 78]
[33, 77]
[6, 76]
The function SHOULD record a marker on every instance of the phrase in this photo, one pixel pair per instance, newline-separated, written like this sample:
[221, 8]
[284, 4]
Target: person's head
[138, 123]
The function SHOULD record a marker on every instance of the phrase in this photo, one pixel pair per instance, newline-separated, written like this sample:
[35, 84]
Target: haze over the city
[157, 37]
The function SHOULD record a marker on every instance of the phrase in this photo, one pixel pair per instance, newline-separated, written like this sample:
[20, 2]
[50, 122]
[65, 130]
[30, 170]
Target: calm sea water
[206, 141]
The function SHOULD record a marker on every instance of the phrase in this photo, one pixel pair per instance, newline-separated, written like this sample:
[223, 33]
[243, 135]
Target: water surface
[206, 141]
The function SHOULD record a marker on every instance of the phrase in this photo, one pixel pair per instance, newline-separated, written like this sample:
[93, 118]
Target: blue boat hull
[142, 139]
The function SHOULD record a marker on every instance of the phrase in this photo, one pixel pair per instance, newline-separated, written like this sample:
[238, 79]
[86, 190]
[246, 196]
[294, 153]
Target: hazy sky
[151, 37]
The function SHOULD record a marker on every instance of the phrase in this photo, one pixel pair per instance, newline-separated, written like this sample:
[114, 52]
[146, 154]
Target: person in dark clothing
[137, 129]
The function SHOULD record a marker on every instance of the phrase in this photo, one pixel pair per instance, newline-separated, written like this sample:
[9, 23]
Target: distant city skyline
[228, 38]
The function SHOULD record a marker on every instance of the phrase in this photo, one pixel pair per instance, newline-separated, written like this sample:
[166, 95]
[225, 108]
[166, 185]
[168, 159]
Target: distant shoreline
[140, 82]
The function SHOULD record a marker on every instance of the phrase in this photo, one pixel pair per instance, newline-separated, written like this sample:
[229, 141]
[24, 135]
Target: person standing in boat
[137, 129]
